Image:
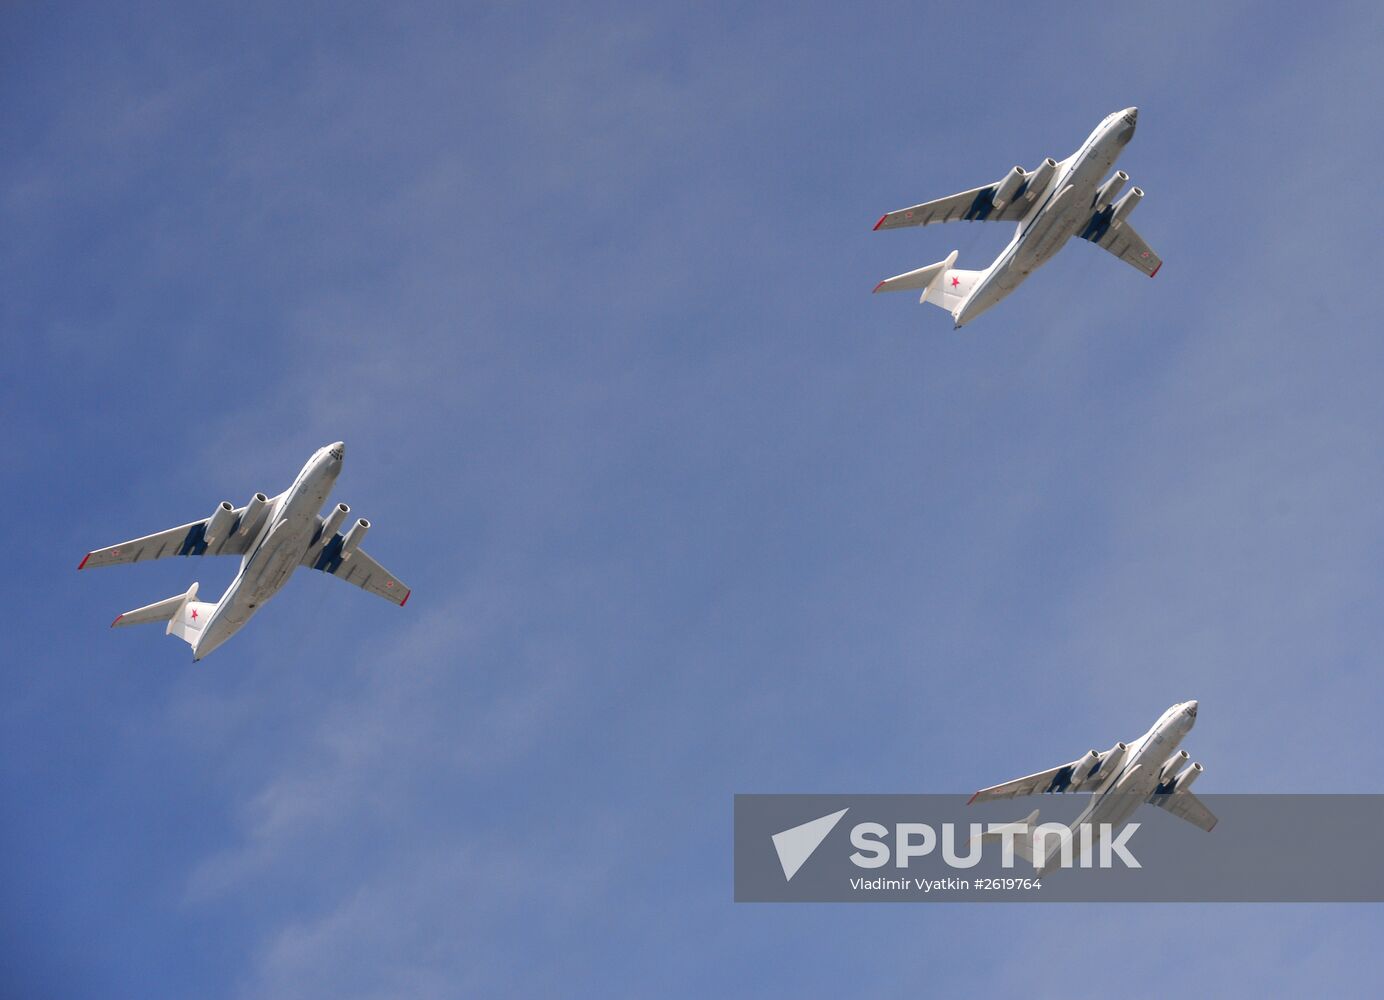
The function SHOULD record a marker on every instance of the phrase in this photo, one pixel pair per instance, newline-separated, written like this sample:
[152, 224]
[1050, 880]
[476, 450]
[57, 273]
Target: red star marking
[194, 614]
[955, 282]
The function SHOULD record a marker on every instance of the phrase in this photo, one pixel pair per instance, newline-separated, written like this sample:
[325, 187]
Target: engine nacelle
[1107, 191]
[1124, 206]
[255, 512]
[333, 522]
[1039, 180]
[1186, 776]
[351, 542]
[1171, 765]
[1111, 761]
[1007, 187]
[1081, 770]
[220, 523]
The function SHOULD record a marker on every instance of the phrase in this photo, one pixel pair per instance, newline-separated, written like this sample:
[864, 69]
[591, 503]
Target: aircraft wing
[1123, 242]
[976, 205]
[184, 540]
[1185, 805]
[1054, 779]
[358, 568]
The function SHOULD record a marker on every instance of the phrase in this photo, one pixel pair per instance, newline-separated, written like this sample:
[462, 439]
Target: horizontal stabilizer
[944, 286]
[185, 617]
[159, 611]
[913, 280]
[1021, 838]
[925, 278]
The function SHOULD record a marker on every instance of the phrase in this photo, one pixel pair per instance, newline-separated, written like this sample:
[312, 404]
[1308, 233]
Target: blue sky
[686, 511]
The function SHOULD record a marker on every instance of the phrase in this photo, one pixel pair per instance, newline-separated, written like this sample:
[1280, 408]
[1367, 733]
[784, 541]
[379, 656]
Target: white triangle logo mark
[795, 846]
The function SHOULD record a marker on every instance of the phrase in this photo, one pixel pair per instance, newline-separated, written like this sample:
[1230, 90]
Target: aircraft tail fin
[942, 285]
[184, 615]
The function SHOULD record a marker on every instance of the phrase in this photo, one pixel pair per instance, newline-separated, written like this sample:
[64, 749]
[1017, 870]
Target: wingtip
[880, 285]
[406, 597]
[1157, 269]
[84, 560]
[972, 799]
[881, 221]
[117, 619]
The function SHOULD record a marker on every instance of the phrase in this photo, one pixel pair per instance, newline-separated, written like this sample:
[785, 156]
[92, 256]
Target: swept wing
[1122, 241]
[358, 568]
[1185, 805]
[975, 205]
[1063, 778]
[184, 540]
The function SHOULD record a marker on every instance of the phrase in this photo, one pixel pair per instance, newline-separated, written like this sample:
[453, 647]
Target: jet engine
[1124, 206]
[1111, 760]
[351, 542]
[1039, 180]
[1186, 776]
[1081, 770]
[255, 512]
[1005, 192]
[1171, 765]
[220, 523]
[333, 522]
[1106, 194]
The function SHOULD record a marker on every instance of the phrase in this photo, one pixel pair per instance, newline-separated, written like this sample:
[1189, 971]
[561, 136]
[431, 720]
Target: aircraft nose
[337, 450]
[1131, 115]
[1192, 709]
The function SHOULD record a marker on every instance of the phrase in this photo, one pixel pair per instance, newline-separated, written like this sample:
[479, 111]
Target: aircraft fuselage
[1059, 214]
[1138, 776]
[288, 531]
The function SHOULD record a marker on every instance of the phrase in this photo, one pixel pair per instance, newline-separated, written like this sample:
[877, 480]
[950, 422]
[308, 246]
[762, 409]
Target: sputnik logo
[795, 845]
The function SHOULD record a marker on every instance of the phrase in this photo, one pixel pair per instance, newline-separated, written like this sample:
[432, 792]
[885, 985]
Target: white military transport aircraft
[273, 538]
[1051, 204]
[1150, 770]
